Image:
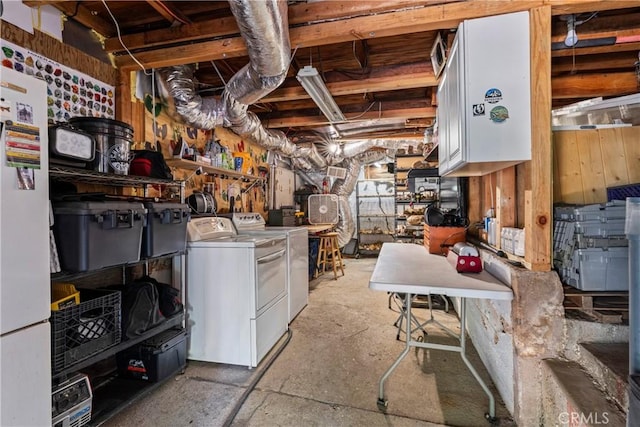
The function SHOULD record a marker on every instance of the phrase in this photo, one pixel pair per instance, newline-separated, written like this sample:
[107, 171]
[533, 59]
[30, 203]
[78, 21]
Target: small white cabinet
[484, 97]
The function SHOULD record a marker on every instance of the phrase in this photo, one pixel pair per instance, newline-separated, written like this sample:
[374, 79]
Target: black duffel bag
[140, 308]
[168, 297]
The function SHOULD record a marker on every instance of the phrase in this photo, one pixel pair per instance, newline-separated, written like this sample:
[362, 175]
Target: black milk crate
[81, 331]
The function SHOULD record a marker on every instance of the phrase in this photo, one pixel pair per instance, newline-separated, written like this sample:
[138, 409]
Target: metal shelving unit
[375, 214]
[408, 200]
[111, 394]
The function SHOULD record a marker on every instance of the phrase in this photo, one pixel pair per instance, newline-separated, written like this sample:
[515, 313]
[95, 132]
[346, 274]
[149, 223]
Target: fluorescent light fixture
[315, 87]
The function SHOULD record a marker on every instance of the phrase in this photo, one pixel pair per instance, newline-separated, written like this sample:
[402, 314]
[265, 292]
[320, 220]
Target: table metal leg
[463, 335]
[433, 320]
[415, 326]
[382, 402]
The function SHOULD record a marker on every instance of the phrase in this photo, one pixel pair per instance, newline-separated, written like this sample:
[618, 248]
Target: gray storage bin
[166, 229]
[602, 270]
[94, 235]
[607, 228]
[597, 212]
[583, 242]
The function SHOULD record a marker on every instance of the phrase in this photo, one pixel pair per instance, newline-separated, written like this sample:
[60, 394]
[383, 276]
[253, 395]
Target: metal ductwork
[264, 27]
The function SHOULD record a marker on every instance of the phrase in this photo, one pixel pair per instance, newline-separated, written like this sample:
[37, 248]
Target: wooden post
[538, 212]
[128, 109]
[505, 200]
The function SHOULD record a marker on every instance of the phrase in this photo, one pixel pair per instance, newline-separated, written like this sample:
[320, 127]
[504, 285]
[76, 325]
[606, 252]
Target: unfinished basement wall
[513, 341]
[490, 328]
[513, 338]
[586, 162]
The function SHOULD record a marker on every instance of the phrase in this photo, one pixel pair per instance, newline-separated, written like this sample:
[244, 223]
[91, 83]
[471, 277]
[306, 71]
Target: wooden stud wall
[521, 195]
[538, 222]
[586, 162]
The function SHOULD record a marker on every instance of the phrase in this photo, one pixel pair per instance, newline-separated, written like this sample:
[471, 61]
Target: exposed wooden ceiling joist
[402, 77]
[298, 14]
[620, 47]
[312, 121]
[370, 53]
[593, 85]
[168, 12]
[365, 27]
[595, 63]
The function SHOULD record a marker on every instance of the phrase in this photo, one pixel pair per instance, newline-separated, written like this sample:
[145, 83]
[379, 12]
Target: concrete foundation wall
[513, 339]
[578, 331]
[489, 325]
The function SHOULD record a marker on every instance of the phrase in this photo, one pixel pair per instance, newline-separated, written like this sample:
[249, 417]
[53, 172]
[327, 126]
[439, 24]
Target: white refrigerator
[25, 337]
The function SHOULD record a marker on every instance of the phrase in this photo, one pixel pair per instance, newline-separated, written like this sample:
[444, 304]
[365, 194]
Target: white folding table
[410, 269]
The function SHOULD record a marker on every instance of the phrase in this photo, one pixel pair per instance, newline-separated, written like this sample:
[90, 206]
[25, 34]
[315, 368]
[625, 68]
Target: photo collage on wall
[70, 93]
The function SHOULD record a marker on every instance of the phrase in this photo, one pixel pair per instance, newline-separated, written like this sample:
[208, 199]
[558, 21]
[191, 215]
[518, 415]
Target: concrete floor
[328, 372]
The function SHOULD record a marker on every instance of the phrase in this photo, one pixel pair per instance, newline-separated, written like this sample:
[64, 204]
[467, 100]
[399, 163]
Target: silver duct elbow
[178, 90]
[264, 26]
[309, 151]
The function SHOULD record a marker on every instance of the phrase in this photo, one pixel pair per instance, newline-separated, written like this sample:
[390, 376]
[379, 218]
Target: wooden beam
[538, 203]
[222, 27]
[593, 63]
[567, 7]
[300, 121]
[438, 17]
[569, 87]
[600, 25]
[619, 47]
[82, 14]
[402, 77]
[168, 12]
[596, 35]
[594, 85]
[298, 14]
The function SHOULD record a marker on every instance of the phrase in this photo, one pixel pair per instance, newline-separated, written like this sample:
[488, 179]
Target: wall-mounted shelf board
[210, 170]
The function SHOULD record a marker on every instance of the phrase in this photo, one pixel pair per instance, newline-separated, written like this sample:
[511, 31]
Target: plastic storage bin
[595, 212]
[156, 358]
[63, 295]
[166, 229]
[94, 235]
[604, 228]
[602, 270]
[86, 329]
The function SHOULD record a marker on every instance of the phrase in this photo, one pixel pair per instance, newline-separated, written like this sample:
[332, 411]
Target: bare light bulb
[571, 39]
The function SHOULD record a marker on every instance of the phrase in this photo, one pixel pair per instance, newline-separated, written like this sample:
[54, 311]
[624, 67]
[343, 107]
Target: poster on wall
[70, 93]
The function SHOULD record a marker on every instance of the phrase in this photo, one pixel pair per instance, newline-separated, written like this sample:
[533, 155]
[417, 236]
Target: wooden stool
[329, 254]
